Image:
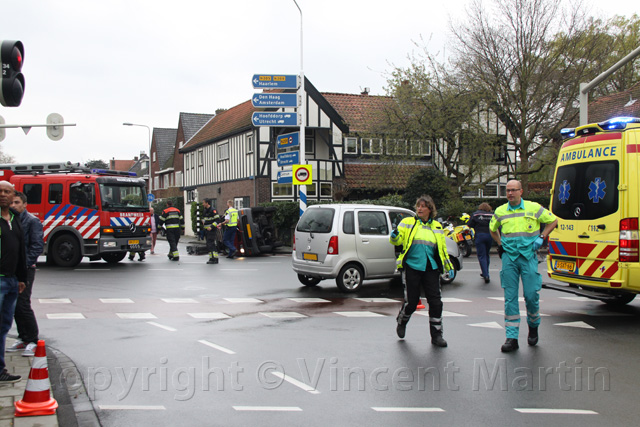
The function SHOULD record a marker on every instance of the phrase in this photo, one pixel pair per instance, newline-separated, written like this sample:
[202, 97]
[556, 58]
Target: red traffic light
[12, 80]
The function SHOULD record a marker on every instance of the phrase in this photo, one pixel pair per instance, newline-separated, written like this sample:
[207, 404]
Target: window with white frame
[186, 162]
[351, 145]
[193, 161]
[311, 190]
[154, 156]
[178, 179]
[281, 190]
[397, 147]
[200, 158]
[416, 148]
[325, 189]
[156, 182]
[490, 190]
[309, 145]
[249, 144]
[371, 146]
[223, 151]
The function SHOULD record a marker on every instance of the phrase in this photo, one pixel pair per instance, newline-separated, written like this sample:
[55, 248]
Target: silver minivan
[350, 243]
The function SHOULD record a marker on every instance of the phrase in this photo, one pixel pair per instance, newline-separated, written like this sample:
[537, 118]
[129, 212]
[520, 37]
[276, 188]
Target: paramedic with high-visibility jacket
[518, 240]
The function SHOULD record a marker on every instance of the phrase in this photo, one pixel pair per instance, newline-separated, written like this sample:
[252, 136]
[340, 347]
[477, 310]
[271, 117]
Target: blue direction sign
[288, 140]
[289, 158]
[266, 100]
[275, 81]
[285, 177]
[275, 119]
[150, 197]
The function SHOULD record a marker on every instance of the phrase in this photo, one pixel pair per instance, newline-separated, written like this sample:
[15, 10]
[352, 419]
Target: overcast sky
[102, 63]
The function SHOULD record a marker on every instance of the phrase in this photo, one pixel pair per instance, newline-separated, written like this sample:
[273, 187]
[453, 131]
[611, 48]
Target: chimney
[365, 91]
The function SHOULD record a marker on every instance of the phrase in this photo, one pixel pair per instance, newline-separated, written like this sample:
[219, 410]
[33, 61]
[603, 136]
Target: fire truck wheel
[66, 251]
[115, 257]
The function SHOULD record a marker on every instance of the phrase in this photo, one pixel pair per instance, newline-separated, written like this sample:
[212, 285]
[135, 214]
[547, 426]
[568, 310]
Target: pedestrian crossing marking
[283, 315]
[358, 314]
[116, 300]
[65, 316]
[308, 300]
[444, 314]
[455, 300]
[166, 328]
[490, 325]
[581, 299]
[209, 315]
[216, 346]
[520, 299]
[556, 411]
[180, 300]
[54, 301]
[377, 300]
[242, 300]
[136, 316]
[405, 409]
[575, 325]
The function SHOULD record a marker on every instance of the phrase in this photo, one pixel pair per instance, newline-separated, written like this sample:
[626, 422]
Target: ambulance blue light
[618, 123]
[568, 132]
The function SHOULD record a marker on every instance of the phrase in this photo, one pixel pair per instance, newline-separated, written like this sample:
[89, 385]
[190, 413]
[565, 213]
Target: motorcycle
[461, 234]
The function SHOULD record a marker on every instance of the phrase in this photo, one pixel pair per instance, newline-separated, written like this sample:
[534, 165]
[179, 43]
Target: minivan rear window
[586, 191]
[316, 221]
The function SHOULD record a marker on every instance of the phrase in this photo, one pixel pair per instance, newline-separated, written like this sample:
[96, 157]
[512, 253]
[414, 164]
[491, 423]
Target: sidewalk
[10, 393]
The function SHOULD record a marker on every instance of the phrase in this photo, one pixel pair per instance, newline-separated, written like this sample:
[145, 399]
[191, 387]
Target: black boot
[401, 329]
[436, 336]
[532, 339]
[511, 344]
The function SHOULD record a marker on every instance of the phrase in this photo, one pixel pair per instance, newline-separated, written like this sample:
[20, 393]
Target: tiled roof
[192, 123]
[360, 112]
[379, 176]
[223, 124]
[165, 143]
[607, 107]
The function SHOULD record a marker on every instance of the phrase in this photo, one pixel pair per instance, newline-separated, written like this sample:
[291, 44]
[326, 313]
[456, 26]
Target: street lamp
[148, 129]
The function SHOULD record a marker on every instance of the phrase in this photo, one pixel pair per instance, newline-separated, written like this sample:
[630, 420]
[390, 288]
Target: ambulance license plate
[310, 257]
[134, 244]
[566, 266]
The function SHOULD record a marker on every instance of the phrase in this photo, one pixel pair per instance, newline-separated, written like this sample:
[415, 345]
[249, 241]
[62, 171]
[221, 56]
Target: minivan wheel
[621, 299]
[350, 278]
[308, 281]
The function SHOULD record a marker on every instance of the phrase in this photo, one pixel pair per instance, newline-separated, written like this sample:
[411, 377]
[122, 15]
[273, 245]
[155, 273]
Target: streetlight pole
[150, 175]
[303, 118]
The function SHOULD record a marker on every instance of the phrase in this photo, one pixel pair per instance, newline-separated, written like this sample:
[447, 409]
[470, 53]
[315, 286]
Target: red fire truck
[99, 214]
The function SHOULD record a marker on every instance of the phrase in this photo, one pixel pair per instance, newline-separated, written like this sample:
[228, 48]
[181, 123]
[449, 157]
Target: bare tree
[5, 158]
[527, 58]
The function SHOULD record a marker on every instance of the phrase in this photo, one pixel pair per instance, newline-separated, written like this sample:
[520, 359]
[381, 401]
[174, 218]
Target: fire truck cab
[99, 214]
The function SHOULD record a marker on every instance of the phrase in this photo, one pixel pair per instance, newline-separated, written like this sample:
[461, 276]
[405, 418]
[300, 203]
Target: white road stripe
[131, 407]
[54, 301]
[179, 300]
[268, 408]
[308, 300]
[376, 300]
[166, 269]
[455, 300]
[400, 409]
[216, 346]
[116, 301]
[136, 316]
[283, 314]
[213, 315]
[167, 328]
[65, 316]
[295, 382]
[556, 411]
[358, 314]
[242, 300]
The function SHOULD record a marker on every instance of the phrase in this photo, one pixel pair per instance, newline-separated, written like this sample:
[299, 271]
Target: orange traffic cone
[420, 305]
[37, 398]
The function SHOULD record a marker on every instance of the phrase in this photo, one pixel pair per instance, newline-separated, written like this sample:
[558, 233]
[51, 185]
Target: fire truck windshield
[125, 196]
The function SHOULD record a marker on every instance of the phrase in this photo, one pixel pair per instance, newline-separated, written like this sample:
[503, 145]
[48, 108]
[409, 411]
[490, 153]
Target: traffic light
[12, 84]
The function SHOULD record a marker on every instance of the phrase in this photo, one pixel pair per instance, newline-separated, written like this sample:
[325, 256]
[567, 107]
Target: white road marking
[295, 382]
[54, 301]
[136, 316]
[242, 300]
[131, 407]
[238, 269]
[209, 315]
[556, 411]
[308, 300]
[522, 313]
[283, 315]
[179, 300]
[444, 314]
[406, 409]
[116, 300]
[166, 328]
[65, 316]
[165, 269]
[358, 314]
[217, 347]
[268, 408]
[490, 325]
[454, 300]
[575, 325]
[377, 300]
[577, 298]
[521, 299]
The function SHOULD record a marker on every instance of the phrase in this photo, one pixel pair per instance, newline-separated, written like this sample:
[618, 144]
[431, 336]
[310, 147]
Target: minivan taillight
[333, 246]
[629, 240]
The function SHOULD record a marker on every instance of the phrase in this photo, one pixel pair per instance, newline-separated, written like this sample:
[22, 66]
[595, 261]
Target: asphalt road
[244, 343]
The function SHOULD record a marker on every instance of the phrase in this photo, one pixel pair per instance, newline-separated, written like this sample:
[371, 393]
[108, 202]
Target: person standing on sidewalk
[479, 221]
[210, 221]
[13, 270]
[173, 222]
[231, 221]
[518, 240]
[153, 222]
[34, 243]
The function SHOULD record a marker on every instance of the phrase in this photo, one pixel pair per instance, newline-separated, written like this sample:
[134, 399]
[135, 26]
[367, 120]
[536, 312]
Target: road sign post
[275, 119]
[275, 81]
[274, 100]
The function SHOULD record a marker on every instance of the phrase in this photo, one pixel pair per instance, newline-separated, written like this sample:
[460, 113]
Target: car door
[372, 242]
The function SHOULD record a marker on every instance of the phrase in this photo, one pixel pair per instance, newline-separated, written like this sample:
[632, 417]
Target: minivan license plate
[310, 257]
[565, 266]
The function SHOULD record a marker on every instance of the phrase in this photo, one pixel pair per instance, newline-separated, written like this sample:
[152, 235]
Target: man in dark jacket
[210, 221]
[13, 270]
[34, 243]
[479, 221]
[173, 222]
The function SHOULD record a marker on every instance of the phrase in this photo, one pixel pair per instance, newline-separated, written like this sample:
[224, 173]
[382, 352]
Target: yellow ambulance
[596, 197]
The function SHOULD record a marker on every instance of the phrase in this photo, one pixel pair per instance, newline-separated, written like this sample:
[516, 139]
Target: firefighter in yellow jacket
[423, 258]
